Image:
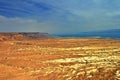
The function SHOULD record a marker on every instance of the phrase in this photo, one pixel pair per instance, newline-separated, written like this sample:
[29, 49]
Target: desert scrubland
[60, 59]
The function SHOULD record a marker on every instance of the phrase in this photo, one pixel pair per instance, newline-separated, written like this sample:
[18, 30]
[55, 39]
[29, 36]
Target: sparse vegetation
[60, 59]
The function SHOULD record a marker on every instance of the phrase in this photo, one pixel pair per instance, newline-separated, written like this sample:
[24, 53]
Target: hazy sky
[59, 16]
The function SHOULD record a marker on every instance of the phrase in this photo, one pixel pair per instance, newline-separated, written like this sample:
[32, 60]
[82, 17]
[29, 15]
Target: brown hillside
[23, 36]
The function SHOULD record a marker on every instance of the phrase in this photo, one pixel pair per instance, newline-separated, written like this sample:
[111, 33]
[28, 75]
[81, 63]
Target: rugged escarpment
[23, 35]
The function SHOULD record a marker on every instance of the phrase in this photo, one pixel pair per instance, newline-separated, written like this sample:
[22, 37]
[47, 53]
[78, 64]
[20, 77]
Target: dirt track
[60, 59]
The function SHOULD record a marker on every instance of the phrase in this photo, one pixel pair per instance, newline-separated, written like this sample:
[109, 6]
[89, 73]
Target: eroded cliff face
[23, 36]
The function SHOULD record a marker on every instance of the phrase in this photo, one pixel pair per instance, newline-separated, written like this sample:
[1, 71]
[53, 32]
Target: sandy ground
[60, 59]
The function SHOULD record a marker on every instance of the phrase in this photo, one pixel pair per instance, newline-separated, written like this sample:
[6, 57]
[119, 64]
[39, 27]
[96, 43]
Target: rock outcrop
[23, 36]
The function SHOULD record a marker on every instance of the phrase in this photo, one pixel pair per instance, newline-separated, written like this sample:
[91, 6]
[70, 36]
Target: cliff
[23, 36]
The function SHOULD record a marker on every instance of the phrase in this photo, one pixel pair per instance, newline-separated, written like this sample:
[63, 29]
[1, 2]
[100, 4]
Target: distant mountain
[112, 30]
[114, 33]
[23, 36]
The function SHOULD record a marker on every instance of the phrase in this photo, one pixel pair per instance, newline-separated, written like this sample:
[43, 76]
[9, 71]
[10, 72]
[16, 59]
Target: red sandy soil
[60, 59]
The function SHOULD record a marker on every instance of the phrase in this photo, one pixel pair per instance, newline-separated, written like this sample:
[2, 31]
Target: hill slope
[23, 35]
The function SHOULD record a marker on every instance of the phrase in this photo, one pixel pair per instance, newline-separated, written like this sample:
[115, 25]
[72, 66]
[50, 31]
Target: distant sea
[115, 33]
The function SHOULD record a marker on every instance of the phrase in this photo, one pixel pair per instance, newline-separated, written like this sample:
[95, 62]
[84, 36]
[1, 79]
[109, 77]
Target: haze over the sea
[59, 16]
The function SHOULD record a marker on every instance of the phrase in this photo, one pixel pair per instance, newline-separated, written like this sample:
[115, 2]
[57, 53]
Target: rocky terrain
[60, 59]
[23, 36]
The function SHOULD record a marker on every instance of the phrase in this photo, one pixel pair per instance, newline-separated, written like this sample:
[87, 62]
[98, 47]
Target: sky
[59, 16]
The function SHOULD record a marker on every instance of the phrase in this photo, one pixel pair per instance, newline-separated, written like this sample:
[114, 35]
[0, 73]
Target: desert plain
[60, 59]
